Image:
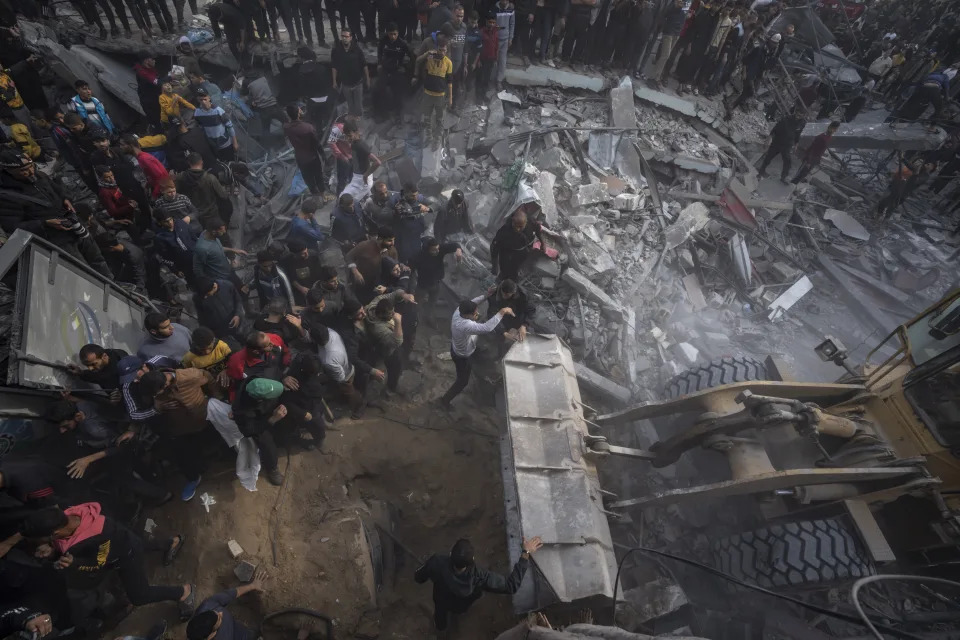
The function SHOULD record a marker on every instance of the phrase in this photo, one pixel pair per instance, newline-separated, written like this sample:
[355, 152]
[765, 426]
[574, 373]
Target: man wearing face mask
[32, 201]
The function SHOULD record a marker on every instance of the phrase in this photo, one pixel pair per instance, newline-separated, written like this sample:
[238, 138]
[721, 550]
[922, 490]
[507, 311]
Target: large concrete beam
[539, 75]
[856, 135]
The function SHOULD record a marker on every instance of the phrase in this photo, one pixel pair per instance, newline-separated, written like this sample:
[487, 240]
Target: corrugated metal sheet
[551, 490]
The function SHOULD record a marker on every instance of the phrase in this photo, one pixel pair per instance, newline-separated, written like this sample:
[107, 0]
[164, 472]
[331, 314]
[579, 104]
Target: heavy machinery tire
[718, 372]
[794, 554]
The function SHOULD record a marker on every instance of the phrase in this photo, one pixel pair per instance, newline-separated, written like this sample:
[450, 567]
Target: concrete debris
[740, 257]
[687, 352]
[506, 96]
[503, 153]
[692, 218]
[582, 285]
[788, 298]
[847, 224]
[627, 202]
[912, 136]
[555, 160]
[592, 257]
[690, 163]
[694, 292]
[431, 163]
[602, 147]
[667, 101]
[544, 267]
[234, 548]
[622, 112]
[601, 385]
[591, 194]
[540, 75]
[544, 187]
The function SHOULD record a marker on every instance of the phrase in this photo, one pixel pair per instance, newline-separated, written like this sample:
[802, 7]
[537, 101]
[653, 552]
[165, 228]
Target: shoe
[275, 477]
[526, 61]
[188, 606]
[171, 554]
[190, 489]
[156, 631]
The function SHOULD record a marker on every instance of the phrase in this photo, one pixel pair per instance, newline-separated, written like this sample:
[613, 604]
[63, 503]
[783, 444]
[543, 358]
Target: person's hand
[507, 311]
[530, 18]
[522, 334]
[239, 252]
[380, 289]
[41, 625]
[357, 276]
[291, 384]
[115, 396]
[308, 416]
[408, 297]
[43, 551]
[376, 373]
[186, 219]
[459, 255]
[510, 336]
[530, 546]
[223, 379]
[78, 467]
[133, 203]
[491, 290]
[397, 319]
[256, 585]
[74, 369]
[234, 321]
[126, 435]
[69, 206]
[278, 414]
[424, 208]
[245, 289]
[294, 320]
[168, 405]
[56, 223]
[63, 561]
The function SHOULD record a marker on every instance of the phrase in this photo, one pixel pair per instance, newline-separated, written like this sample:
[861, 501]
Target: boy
[486, 62]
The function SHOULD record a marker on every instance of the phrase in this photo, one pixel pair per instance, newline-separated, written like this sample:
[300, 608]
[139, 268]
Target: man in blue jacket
[91, 109]
[346, 223]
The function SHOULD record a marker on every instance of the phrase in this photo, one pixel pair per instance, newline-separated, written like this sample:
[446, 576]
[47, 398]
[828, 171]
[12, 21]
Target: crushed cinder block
[687, 352]
[584, 287]
[503, 153]
[591, 194]
[601, 385]
[543, 186]
[627, 202]
[234, 548]
[244, 571]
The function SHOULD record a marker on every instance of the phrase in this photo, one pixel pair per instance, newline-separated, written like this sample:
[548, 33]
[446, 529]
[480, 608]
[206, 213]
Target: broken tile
[591, 193]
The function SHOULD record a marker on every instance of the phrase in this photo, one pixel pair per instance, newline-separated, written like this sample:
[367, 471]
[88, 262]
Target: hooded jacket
[204, 190]
[457, 591]
[101, 112]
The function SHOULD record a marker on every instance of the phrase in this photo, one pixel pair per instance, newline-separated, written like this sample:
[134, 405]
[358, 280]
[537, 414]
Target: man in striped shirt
[464, 330]
[217, 126]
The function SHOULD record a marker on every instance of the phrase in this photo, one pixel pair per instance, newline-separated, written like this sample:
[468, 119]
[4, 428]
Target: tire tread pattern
[716, 373]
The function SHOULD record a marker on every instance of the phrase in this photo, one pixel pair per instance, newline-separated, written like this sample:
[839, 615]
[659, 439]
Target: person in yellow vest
[437, 90]
[170, 103]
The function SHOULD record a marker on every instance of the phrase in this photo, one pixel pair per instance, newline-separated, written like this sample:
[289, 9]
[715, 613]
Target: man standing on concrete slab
[456, 46]
[783, 138]
[437, 92]
[811, 158]
[350, 72]
[673, 21]
[577, 31]
[506, 22]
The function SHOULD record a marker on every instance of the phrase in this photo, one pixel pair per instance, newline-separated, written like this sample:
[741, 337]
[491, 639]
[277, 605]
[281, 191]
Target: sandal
[171, 554]
[189, 605]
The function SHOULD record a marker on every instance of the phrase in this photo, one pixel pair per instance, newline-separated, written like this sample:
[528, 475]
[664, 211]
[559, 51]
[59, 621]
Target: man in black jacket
[783, 138]
[32, 201]
[219, 308]
[429, 266]
[512, 328]
[458, 582]
[125, 260]
[182, 141]
[99, 366]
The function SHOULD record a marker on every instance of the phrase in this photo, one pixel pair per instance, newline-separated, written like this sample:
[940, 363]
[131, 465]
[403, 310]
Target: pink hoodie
[91, 524]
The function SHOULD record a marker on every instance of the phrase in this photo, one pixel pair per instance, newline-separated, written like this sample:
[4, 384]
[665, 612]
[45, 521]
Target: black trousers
[778, 149]
[312, 172]
[526, 36]
[575, 37]
[805, 169]
[463, 366]
[287, 430]
[133, 576]
[185, 451]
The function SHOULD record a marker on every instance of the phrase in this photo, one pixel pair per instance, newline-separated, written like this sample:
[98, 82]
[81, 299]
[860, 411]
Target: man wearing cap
[32, 201]
[217, 127]
[458, 582]
[261, 413]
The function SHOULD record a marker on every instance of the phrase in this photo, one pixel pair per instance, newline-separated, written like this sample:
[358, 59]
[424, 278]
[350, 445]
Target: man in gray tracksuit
[506, 21]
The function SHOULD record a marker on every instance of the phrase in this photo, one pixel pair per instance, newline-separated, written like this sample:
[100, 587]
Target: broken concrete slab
[789, 298]
[601, 385]
[591, 194]
[506, 96]
[687, 352]
[117, 78]
[495, 120]
[431, 163]
[582, 285]
[554, 160]
[847, 224]
[692, 218]
[543, 186]
[627, 202]
[700, 165]
[856, 297]
[540, 75]
[876, 135]
[602, 148]
[622, 112]
[694, 292]
[503, 153]
[590, 254]
[667, 101]
[544, 267]
[450, 120]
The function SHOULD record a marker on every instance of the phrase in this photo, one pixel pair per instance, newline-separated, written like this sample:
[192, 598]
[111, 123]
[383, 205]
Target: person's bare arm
[334, 71]
[255, 585]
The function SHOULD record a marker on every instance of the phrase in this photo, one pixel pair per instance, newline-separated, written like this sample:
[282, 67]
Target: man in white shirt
[464, 330]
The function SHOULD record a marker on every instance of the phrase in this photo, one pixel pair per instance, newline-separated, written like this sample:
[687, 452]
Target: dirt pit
[441, 478]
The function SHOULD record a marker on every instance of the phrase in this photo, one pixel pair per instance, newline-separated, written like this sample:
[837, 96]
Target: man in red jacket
[119, 206]
[487, 61]
[813, 154]
[306, 151]
[152, 168]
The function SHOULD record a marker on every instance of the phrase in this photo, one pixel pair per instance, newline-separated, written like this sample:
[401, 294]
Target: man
[905, 181]
[429, 265]
[576, 34]
[347, 223]
[813, 154]
[458, 582]
[204, 190]
[34, 202]
[152, 168]
[262, 100]
[335, 297]
[303, 268]
[217, 127]
[783, 138]
[173, 244]
[125, 259]
[90, 108]
[212, 620]
[485, 64]
[125, 174]
[513, 328]
[378, 209]
[386, 331]
[464, 330]
[338, 366]
[199, 84]
[262, 412]
[437, 92]
[934, 90]
[219, 307]
[183, 141]
[879, 67]
[506, 23]
[131, 370]
[755, 62]
[408, 222]
[99, 366]
[210, 256]
[88, 546]
[177, 205]
[710, 60]
[365, 260]
[163, 338]
[392, 85]
[304, 226]
[269, 280]
[513, 243]
[306, 151]
[264, 355]
[234, 22]
[350, 72]
[363, 163]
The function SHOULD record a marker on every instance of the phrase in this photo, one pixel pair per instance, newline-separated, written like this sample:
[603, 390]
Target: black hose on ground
[306, 612]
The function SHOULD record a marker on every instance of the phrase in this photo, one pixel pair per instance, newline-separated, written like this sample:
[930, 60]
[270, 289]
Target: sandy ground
[441, 478]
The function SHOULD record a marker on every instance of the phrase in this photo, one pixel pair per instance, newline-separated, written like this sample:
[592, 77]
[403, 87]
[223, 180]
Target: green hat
[264, 389]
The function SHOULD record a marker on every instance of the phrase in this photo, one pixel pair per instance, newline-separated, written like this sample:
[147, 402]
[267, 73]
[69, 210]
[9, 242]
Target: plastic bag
[248, 463]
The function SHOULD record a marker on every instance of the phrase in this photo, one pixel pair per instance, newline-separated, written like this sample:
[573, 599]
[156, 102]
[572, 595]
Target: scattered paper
[149, 525]
[207, 501]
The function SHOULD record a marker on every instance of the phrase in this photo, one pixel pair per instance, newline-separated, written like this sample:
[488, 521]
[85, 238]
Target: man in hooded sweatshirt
[204, 190]
[458, 582]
